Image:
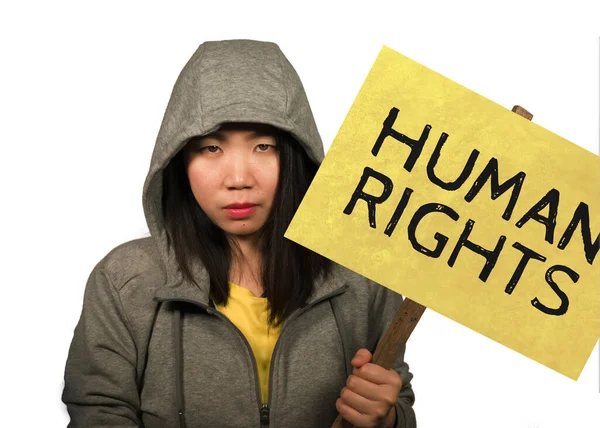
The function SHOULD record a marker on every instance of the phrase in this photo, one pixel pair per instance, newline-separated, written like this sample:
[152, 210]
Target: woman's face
[234, 165]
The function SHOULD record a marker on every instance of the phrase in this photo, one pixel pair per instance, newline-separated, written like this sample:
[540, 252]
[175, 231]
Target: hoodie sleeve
[100, 387]
[385, 307]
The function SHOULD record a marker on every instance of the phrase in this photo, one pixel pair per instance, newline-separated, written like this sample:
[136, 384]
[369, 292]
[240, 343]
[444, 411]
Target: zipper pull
[264, 415]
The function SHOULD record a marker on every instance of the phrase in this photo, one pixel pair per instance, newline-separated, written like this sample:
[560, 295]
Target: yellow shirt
[249, 313]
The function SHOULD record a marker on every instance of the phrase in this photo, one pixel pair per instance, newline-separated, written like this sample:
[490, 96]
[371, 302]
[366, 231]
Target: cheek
[271, 177]
[201, 180]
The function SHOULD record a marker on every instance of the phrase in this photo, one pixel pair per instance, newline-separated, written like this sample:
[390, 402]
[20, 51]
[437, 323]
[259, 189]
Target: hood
[225, 81]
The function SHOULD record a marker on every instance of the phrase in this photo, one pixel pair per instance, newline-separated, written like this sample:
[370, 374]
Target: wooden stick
[522, 112]
[403, 323]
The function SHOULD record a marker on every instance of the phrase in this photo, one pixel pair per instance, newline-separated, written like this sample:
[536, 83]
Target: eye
[210, 149]
[264, 147]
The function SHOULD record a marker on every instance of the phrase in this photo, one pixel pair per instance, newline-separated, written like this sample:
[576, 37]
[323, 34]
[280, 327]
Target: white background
[83, 90]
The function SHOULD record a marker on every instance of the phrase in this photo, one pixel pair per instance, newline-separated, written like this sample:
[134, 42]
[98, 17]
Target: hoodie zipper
[264, 409]
[293, 316]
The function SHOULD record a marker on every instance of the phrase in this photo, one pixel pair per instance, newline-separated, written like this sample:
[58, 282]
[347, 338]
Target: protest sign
[461, 205]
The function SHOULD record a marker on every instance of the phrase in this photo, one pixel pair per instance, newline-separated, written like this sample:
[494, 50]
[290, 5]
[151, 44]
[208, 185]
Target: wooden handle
[394, 338]
[522, 112]
[398, 333]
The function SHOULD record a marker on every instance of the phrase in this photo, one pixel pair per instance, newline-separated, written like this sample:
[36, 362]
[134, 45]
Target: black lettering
[451, 185]
[581, 215]
[550, 222]
[370, 199]
[491, 257]
[564, 300]
[528, 254]
[441, 239]
[416, 146]
[491, 171]
[398, 211]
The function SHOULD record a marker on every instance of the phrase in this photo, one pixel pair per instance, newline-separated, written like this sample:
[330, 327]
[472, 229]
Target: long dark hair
[288, 270]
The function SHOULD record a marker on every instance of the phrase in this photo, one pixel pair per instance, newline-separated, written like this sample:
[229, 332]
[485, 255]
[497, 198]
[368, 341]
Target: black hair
[288, 270]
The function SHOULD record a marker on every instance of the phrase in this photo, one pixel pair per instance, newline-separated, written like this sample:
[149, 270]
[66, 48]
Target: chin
[242, 230]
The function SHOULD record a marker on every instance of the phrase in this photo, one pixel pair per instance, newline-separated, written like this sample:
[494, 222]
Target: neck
[246, 262]
[248, 249]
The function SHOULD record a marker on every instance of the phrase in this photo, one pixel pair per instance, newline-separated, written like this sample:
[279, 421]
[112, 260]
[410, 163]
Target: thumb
[362, 357]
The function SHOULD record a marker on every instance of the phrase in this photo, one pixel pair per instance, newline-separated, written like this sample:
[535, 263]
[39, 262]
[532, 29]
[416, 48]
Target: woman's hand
[370, 393]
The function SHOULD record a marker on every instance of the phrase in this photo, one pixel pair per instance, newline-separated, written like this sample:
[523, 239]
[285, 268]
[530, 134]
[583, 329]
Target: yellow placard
[465, 207]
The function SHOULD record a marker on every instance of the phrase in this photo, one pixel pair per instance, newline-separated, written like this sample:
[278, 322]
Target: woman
[216, 320]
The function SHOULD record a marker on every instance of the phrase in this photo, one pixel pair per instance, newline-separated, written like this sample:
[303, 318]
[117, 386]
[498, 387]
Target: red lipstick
[240, 210]
[240, 205]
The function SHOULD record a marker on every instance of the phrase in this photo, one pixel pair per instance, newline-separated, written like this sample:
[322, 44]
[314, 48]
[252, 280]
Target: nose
[239, 173]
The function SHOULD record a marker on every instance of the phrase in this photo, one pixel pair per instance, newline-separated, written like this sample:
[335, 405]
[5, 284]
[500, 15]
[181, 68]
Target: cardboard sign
[465, 207]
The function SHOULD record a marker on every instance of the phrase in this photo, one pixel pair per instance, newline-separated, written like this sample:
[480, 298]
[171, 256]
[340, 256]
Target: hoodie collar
[200, 294]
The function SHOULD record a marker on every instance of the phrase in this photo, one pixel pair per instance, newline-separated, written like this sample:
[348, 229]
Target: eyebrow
[221, 137]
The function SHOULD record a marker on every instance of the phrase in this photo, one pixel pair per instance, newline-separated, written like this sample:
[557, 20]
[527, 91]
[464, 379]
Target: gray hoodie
[151, 350]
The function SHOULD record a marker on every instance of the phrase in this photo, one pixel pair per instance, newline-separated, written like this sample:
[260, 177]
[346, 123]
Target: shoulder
[135, 271]
[366, 308]
[134, 265]
[357, 282]
[364, 290]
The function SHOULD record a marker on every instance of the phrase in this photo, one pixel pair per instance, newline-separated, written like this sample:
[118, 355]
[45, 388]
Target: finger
[378, 375]
[353, 416]
[365, 389]
[357, 402]
[361, 357]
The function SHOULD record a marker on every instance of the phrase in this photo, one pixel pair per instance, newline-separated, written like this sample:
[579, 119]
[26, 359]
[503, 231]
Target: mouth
[240, 211]
[238, 206]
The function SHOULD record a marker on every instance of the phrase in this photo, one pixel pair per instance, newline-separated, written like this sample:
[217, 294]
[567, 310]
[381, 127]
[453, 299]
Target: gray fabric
[124, 358]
